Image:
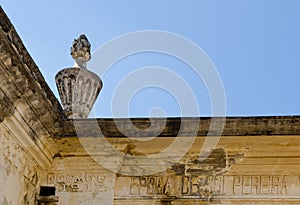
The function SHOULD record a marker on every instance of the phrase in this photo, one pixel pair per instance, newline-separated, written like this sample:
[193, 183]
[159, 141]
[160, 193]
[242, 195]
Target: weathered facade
[47, 159]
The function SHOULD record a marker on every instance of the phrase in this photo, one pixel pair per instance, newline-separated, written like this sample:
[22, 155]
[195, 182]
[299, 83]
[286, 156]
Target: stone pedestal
[78, 89]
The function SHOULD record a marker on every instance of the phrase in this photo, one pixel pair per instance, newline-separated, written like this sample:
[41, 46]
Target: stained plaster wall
[19, 173]
[255, 161]
[28, 113]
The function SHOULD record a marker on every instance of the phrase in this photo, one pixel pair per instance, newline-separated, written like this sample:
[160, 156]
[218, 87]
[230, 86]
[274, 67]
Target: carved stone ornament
[78, 87]
[81, 51]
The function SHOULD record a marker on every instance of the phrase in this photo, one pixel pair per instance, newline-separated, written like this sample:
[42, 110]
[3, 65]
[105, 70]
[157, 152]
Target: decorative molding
[78, 89]
[208, 187]
[234, 126]
[21, 79]
[30, 143]
[29, 109]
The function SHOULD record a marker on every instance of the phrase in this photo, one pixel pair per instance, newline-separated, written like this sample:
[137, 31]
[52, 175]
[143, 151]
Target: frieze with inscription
[262, 185]
[80, 182]
[207, 187]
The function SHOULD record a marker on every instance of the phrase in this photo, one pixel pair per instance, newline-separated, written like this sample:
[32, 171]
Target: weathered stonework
[47, 200]
[19, 173]
[78, 89]
[29, 111]
[256, 160]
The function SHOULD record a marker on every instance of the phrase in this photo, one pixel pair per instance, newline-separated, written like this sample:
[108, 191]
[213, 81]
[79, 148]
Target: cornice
[233, 126]
[29, 109]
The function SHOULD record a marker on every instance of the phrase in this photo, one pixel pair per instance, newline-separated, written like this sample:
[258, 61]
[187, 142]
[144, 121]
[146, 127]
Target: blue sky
[254, 45]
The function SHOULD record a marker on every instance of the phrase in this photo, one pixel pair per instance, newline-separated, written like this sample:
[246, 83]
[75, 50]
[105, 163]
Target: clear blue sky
[254, 44]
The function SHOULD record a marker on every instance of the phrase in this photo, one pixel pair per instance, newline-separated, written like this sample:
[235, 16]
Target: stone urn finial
[78, 87]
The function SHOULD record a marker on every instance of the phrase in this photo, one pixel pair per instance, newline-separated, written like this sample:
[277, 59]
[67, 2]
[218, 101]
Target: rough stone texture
[256, 160]
[6, 106]
[47, 200]
[234, 126]
[78, 89]
[81, 51]
[77, 185]
[22, 83]
[19, 173]
[29, 111]
[240, 170]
